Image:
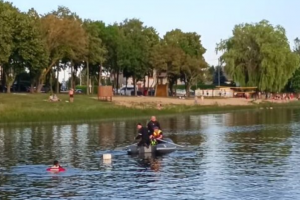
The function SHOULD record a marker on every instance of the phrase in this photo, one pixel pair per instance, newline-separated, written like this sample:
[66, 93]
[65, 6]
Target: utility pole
[219, 68]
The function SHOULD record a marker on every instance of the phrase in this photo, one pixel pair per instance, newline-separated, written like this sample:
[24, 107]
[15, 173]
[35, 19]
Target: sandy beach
[143, 102]
[155, 101]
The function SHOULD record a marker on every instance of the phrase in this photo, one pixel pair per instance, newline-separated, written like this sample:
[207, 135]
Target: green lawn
[34, 108]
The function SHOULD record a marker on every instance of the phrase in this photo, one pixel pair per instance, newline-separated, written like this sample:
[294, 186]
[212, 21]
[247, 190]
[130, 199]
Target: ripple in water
[243, 155]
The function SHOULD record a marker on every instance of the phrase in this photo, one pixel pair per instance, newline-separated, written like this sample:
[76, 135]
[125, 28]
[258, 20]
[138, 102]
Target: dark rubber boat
[164, 147]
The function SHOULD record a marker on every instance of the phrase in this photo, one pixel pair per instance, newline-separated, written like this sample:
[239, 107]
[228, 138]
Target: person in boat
[151, 124]
[157, 136]
[143, 135]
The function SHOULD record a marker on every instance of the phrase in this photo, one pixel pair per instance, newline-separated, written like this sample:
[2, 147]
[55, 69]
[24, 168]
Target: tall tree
[65, 39]
[192, 71]
[8, 23]
[133, 50]
[96, 51]
[112, 40]
[195, 66]
[188, 62]
[259, 55]
[169, 59]
[24, 48]
[32, 47]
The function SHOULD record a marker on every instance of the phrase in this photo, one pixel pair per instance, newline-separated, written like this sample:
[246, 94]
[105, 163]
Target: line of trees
[42, 45]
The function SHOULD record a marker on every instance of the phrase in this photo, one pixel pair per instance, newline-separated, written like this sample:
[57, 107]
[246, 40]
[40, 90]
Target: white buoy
[107, 163]
[107, 159]
[106, 156]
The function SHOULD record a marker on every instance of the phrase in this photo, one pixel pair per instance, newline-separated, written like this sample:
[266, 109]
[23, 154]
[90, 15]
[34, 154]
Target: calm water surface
[239, 155]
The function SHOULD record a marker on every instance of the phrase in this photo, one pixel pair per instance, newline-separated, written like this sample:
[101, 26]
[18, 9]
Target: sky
[212, 19]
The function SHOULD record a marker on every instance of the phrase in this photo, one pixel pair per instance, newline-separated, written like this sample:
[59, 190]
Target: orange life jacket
[157, 134]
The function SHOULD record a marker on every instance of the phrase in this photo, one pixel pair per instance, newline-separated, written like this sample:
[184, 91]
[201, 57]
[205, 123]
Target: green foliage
[7, 23]
[294, 82]
[134, 49]
[181, 56]
[95, 50]
[65, 39]
[259, 55]
[84, 88]
[256, 55]
[31, 45]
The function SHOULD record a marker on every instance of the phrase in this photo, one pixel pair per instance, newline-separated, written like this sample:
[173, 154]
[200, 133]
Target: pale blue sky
[212, 19]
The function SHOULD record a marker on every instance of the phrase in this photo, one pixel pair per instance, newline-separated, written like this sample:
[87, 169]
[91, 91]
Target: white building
[150, 81]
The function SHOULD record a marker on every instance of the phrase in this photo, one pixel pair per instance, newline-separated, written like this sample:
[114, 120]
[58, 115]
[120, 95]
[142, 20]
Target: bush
[83, 88]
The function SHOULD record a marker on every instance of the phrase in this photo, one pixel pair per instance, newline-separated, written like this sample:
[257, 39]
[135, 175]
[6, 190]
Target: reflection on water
[239, 155]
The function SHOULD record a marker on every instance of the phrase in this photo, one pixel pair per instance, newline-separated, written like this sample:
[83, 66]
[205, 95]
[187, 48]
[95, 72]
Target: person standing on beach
[71, 95]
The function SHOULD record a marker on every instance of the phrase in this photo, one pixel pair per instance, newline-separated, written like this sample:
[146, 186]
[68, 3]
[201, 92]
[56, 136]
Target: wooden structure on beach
[105, 93]
[161, 89]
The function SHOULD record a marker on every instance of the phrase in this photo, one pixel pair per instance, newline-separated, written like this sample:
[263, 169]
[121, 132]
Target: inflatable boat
[164, 147]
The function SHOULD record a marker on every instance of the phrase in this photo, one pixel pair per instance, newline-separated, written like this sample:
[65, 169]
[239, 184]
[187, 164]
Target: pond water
[239, 155]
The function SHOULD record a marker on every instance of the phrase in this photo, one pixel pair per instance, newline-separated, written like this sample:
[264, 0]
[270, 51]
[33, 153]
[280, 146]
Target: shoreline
[23, 109]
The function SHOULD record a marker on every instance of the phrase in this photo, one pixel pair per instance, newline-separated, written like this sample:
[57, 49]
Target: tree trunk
[51, 84]
[175, 89]
[72, 77]
[57, 81]
[31, 88]
[114, 82]
[3, 78]
[117, 87]
[148, 81]
[126, 79]
[187, 89]
[9, 82]
[100, 74]
[8, 88]
[43, 75]
[134, 85]
[92, 88]
[87, 78]
[19, 85]
[41, 81]
[144, 88]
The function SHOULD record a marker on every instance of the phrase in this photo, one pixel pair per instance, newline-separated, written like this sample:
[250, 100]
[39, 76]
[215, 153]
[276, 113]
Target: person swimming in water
[56, 165]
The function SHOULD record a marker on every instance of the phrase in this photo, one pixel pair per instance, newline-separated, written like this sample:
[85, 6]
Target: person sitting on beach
[157, 136]
[143, 135]
[53, 98]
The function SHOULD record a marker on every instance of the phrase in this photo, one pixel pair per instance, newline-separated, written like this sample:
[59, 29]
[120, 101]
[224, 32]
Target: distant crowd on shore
[276, 96]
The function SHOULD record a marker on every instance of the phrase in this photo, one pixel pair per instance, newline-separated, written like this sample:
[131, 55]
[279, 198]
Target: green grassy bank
[34, 108]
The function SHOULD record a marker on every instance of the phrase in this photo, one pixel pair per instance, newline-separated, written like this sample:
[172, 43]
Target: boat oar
[129, 145]
[171, 143]
[123, 148]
